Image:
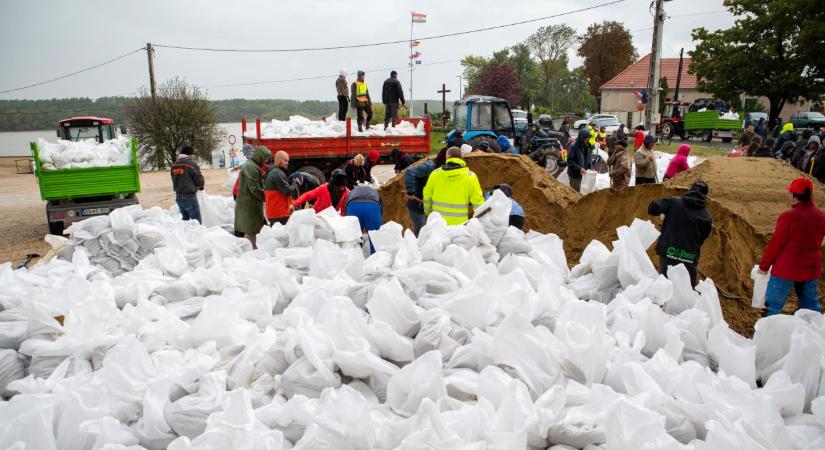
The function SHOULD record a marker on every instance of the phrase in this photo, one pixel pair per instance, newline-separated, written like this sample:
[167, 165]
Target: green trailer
[709, 125]
[76, 194]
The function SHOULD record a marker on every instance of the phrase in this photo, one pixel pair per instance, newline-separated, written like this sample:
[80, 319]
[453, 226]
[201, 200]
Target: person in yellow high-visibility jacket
[593, 135]
[452, 189]
[361, 101]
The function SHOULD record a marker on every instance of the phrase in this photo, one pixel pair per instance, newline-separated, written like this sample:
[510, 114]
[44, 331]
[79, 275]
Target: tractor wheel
[476, 141]
[707, 136]
[315, 172]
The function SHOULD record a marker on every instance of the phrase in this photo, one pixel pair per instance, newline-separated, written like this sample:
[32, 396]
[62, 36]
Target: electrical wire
[375, 44]
[73, 73]
[319, 77]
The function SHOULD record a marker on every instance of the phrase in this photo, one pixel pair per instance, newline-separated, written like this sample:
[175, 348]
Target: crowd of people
[801, 150]
[265, 194]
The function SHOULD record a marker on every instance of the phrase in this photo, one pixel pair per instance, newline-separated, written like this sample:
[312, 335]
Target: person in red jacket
[794, 253]
[334, 192]
[679, 163]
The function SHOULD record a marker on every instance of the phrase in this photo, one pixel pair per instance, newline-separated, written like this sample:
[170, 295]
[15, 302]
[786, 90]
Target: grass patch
[436, 141]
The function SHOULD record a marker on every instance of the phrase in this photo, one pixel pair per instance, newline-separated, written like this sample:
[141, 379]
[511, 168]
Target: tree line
[535, 73]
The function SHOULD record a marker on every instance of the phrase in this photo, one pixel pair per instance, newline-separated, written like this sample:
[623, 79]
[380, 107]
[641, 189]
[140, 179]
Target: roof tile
[635, 76]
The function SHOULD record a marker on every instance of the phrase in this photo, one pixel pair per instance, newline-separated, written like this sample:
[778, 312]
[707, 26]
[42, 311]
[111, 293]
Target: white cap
[343, 72]
[466, 148]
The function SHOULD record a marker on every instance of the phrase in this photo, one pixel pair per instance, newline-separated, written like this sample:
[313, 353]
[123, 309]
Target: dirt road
[23, 219]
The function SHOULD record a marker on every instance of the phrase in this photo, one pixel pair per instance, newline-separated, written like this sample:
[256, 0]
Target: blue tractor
[483, 119]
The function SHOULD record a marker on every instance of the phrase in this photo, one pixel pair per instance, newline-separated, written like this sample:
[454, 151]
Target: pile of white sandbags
[594, 181]
[85, 153]
[467, 337]
[301, 127]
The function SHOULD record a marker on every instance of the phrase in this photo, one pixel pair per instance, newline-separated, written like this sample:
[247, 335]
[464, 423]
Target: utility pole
[443, 93]
[150, 53]
[655, 57]
[679, 75]
[460, 82]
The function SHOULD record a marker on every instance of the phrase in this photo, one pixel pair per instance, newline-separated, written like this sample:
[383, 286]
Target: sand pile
[542, 197]
[754, 188]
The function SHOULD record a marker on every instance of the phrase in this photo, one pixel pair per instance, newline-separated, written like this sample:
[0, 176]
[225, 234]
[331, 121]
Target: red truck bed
[344, 146]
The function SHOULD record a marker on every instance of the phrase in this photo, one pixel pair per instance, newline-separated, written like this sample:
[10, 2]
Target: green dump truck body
[67, 184]
[710, 120]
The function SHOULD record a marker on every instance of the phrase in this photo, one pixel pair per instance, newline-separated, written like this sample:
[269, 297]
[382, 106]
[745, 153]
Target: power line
[375, 44]
[73, 73]
[317, 77]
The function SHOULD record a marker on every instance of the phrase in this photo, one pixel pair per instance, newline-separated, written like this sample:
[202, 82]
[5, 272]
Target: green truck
[76, 194]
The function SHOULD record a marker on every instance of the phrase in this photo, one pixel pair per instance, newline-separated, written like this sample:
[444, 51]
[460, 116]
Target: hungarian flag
[419, 17]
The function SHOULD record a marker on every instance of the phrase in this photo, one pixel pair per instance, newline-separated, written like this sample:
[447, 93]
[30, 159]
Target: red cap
[799, 185]
[373, 156]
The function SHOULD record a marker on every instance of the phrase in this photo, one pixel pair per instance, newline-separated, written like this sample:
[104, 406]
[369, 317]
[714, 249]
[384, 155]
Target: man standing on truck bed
[343, 98]
[391, 94]
[187, 181]
[361, 101]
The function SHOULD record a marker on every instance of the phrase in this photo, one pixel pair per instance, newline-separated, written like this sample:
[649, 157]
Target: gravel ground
[23, 222]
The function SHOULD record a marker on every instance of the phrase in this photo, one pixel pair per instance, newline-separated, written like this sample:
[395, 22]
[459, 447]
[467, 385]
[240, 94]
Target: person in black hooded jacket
[686, 226]
[579, 159]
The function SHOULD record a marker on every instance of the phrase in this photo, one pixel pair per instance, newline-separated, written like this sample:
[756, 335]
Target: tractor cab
[482, 119]
[79, 128]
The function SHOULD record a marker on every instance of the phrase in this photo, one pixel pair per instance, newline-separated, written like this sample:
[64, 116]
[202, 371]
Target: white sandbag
[391, 305]
[187, 416]
[419, 380]
[528, 350]
[588, 183]
[733, 354]
[760, 287]
[343, 422]
[11, 368]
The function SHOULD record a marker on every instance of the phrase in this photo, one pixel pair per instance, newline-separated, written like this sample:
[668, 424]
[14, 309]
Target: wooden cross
[443, 93]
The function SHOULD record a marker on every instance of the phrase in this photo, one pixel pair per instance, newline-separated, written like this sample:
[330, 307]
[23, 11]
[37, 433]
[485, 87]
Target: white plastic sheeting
[299, 126]
[444, 341]
[662, 160]
[86, 153]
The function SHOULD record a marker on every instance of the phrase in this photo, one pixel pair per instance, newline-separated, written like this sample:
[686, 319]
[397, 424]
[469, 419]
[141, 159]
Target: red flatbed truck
[319, 156]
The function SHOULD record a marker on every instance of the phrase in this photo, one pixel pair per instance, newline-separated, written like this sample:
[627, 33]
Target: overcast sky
[45, 39]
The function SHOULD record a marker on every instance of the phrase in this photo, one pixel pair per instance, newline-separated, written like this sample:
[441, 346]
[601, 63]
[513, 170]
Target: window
[481, 117]
[502, 122]
[461, 117]
[80, 133]
[815, 115]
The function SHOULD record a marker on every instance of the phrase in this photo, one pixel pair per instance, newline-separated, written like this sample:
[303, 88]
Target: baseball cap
[799, 185]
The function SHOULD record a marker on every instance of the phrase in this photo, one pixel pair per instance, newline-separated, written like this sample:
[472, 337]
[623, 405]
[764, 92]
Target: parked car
[810, 119]
[610, 122]
[519, 119]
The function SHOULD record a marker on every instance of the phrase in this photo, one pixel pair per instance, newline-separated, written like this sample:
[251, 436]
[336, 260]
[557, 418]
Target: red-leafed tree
[498, 80]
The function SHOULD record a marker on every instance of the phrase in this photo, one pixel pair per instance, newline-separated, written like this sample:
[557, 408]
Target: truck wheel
[727, 140]
[315, 172]
[56, 228]
[667, 128]
[707, 136]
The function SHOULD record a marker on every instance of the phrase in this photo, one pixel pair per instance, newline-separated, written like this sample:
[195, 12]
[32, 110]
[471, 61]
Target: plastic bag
[589, 182]
[391, 305]
[419, 380]
[760, 287]
[11, 368]
[734, 354]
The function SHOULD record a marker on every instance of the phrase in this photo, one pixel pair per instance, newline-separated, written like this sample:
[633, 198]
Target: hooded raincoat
[249, 206]
[679, 163]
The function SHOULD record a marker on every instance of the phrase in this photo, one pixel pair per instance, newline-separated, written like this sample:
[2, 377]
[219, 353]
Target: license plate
[95, 211]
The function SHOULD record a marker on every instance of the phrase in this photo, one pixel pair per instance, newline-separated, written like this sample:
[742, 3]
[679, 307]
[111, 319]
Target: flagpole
[411, 62]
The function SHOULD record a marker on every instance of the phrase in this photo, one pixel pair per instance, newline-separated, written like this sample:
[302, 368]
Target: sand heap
[542, 197]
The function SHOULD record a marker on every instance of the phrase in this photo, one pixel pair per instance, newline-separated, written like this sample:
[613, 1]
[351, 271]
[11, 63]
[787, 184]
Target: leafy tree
[549, 45]
[607, 49]
[499, 80]
[180, 115]
[773, 50]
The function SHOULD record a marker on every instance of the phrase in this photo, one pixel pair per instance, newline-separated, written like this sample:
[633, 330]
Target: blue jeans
[418, 218]
[189, 208]
[369, 217]
[778, 289]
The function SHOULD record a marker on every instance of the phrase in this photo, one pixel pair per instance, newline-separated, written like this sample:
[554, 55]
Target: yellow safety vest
[451, 192]
[593, 134]
[361, 91]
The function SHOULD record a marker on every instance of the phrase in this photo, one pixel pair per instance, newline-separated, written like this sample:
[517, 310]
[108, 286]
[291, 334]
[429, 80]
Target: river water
[16, 143]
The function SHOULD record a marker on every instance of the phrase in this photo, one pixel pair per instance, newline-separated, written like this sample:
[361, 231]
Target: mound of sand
[754, 188]
[543, 198]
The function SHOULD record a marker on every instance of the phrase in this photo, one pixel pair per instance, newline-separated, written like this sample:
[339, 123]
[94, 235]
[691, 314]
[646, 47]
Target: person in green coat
[249, 206]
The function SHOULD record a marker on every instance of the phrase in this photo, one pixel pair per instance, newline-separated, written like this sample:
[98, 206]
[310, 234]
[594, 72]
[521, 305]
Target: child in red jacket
[794, 253]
